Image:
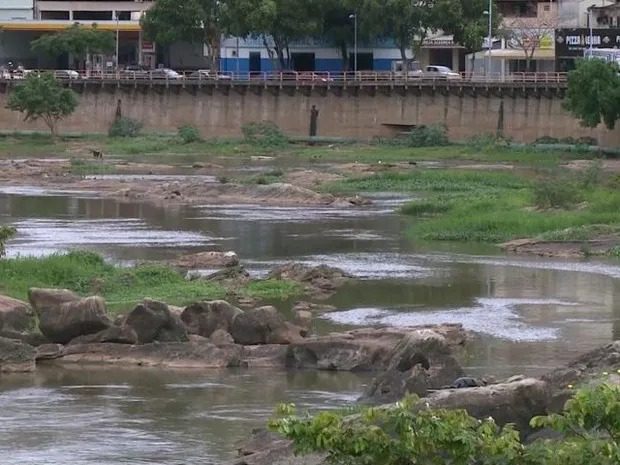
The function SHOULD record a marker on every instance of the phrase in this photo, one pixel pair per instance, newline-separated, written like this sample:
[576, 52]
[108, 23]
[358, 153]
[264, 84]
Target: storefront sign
[571, 43]
[148, 46]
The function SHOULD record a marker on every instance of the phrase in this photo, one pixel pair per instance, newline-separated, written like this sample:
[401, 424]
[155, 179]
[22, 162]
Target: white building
[11, 10]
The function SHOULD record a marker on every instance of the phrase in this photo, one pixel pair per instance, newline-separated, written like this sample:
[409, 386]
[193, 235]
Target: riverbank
[123, 287]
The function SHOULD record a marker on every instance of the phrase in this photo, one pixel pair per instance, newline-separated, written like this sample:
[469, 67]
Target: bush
[264, 134]
[556, 193]
[188, 134]
[408, 433]
[487, 141]
[428, 136]
[125, 127]
[592, 176]
[6, 232]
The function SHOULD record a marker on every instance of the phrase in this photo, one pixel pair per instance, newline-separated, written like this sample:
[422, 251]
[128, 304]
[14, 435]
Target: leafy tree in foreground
[77, 41]
[193, 21]
[40, 96]
[6, 232]
[593, 93]
[408, 433]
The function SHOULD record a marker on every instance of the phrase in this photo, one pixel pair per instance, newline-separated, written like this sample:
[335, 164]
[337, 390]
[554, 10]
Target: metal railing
[297, 78]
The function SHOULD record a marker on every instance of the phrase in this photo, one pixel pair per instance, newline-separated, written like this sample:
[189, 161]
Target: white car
[66, 74]
[165, 73]
[440, 72]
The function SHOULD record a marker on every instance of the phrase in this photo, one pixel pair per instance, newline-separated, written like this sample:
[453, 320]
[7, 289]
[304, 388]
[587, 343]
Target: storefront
[570, 44]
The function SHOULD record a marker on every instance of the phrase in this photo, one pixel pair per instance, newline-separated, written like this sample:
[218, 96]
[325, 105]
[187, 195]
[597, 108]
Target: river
[532, 315]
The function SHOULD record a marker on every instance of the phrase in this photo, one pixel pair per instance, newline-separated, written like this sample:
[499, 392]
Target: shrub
[125, 127]
[428, 136]
[408, 433]
[592, 175]
[188, 134]
[264, 134]
[6, 232]
[556, 193]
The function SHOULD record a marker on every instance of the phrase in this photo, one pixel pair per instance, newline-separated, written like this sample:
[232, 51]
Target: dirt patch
[562, 249]
[311, 178]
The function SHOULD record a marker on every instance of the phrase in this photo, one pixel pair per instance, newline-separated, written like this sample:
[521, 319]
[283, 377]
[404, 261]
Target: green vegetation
[593, 93]
[87, 273]
[264, 134]
[81, 167]
[408, 433]
[41, 97]
[125, 127]
[76, 41]
[421, 136]
[188, 134]
[6, 232]
[462, 205]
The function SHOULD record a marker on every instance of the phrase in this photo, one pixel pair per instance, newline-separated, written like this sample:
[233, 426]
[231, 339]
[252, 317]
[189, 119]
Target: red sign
[148, 46]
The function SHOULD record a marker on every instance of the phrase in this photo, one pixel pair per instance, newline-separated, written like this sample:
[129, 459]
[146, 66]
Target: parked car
[208, 75]
[66, 74]
[165, 73]
[134, 72]
[440, 72]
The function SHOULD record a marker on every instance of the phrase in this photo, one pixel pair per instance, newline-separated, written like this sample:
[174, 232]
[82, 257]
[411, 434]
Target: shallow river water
[532, 314]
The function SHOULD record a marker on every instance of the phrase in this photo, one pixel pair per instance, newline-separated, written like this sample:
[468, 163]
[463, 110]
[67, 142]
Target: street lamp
[117, 38]
[354, 18]
[489, 12]
[591, 28]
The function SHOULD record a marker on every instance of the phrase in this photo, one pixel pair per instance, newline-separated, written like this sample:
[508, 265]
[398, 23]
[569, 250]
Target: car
[208, 75]
[439, 72]
[66, 74]
[134, 72]
[165, 73]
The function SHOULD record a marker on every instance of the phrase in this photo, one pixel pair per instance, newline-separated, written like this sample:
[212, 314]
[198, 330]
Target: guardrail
[299, 78]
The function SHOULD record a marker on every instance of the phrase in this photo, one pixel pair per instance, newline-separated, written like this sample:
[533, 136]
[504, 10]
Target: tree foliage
[41, 97]
[6, 232]
[76, 40]
[408, 433]
[193, 21]
[593, 93]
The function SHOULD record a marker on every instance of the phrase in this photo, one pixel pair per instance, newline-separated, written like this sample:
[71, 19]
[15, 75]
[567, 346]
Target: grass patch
[87, 273]
[81, 167]
[581, 233]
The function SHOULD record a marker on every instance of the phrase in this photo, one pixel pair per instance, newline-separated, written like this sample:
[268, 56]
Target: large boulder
[219, 337]
[63, 315]
[421, 361]
[15, 315]
[203, 318]
[320, 280]
[15, 356]
[118, 334]
[263, 325]
[187, 355]
[153, 321]
[211, 259]
[516, 402]
[586, 369]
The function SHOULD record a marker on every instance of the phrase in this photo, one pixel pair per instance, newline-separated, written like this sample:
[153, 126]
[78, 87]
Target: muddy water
[531, 315]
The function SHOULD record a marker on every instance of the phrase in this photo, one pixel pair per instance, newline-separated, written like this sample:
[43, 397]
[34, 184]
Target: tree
[276, 22]
[337, 26]
[6, 232]
[530, 34]
[193, 21]
[593, 93]
[466, 21]
[77, 41]
[40, 96]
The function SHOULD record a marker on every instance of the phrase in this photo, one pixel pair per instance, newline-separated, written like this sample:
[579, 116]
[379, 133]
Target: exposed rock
[421, 361]
[514, 402]
[584, 370]
[201, 355]
[203, 318]
[153, 321]
[118, 334]
[15, 356]
[211, 259]
[49, 351]
[236, 274]
[219, 337]
[319, 280]
[312, 307]
[265, 356]
[263, 325]
[303, 319]
[63, 315]
[15, 315]
[366, 349]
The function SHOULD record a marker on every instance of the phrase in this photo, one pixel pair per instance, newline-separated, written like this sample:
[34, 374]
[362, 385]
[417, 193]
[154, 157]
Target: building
[35, 18]
[526, 42]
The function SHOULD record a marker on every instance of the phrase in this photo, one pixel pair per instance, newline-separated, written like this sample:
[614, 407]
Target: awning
[123, 26]
[516, 54]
